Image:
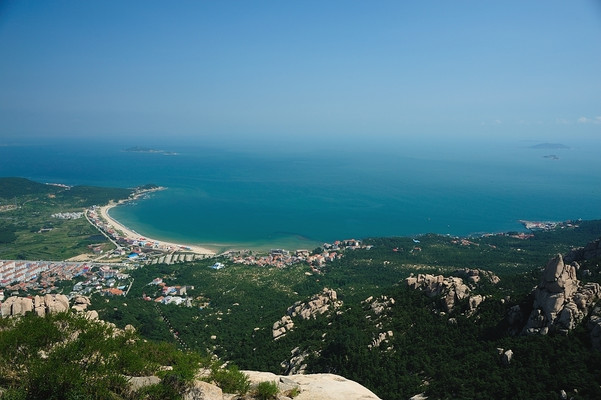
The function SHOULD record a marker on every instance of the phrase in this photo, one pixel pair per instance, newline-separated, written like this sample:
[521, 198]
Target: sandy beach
[130, 234]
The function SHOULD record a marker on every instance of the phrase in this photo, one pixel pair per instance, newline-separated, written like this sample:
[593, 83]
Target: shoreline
[133, 235]
[218, 249]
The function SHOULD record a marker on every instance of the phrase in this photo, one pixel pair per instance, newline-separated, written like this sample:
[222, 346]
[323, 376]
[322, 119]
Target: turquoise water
[297, 198]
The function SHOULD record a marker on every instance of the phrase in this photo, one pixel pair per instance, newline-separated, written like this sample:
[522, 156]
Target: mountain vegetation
[66, 356]
[356, 316]
[411, 346]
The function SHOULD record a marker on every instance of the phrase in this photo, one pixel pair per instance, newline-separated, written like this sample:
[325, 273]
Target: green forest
[427, 353]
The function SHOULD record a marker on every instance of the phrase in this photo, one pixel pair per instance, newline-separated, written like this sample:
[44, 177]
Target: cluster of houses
[68, 215]
[141, 249]
[169, 294]
[280, 258]
[38, 275]
[43, 276]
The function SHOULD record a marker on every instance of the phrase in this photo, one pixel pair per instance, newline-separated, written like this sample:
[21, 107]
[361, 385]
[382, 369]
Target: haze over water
[299, 197]
[302, 122]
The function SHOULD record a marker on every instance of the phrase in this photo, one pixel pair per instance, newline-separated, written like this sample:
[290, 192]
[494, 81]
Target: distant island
[552, 156]
[549, 146]
[141, 149]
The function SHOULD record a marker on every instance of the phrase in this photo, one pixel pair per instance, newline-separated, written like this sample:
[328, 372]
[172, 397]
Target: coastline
[133, 235]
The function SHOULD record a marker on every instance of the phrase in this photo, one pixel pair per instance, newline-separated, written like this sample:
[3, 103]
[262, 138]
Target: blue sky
[304, 71]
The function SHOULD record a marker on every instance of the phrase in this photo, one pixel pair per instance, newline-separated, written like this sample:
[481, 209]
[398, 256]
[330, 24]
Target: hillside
[511, 315]
[375, 329]
[30, 228]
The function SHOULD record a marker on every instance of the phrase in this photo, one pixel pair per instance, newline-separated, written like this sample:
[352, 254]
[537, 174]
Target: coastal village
[106, 272]
[111, 279]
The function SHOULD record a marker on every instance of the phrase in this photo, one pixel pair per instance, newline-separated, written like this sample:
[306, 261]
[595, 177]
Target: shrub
[230, 380]
[292, 393]
[266, 390]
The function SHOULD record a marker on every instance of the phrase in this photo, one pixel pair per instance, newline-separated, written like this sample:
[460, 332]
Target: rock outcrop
[379, 305]
[475, 276]
[560, 302]
[454, 288]
[296, 364]
[317, 305]
[507, 356]
[48, 304]
[307, 387]
[282, 326]
[80, 303]
[594, 327]
[315, 386]
[451, 289]
[203, 391]
[588, 252]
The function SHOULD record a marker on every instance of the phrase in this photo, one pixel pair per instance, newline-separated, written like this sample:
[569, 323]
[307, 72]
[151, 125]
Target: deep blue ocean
[300, 197]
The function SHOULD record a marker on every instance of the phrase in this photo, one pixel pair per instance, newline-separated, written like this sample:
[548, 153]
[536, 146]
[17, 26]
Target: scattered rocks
[382, 337]
[381, 304]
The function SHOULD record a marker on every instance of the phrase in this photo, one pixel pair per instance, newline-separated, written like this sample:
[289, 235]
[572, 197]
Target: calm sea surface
[295, 199]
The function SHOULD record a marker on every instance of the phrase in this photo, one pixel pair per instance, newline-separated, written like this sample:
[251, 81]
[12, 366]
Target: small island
[549, 146]
[142, 149]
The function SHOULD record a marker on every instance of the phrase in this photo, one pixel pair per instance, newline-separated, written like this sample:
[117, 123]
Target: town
[18, 277]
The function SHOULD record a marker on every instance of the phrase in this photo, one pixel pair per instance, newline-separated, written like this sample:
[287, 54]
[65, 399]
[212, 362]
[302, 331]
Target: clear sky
[307, 70]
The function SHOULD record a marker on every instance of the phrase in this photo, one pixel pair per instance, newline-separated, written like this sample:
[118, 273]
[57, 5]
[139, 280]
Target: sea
[294, 197]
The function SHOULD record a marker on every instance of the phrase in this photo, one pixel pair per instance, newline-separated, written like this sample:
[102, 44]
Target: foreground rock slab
[315, 386]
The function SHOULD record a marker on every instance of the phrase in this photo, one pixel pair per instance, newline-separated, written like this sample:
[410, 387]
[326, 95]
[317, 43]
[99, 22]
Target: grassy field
[28, 230]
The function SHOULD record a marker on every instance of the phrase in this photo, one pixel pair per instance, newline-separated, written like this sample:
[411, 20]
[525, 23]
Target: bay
[299, 197]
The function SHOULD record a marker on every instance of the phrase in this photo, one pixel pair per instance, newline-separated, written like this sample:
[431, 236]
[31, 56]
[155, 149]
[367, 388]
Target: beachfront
[100, 218]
